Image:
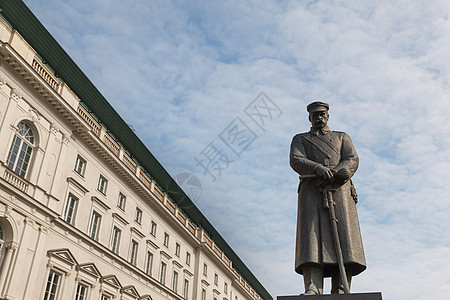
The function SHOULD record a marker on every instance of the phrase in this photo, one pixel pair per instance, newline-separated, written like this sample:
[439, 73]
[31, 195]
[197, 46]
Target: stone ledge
[359, 296]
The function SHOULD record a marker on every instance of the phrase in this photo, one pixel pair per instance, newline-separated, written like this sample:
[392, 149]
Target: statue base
[356, 296]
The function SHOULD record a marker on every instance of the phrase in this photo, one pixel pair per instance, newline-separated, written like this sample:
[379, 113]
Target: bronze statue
[328, 237]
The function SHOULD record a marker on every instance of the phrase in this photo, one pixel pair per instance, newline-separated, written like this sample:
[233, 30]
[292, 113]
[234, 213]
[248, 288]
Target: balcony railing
[90, 120]
[45, 74]
[111, 144]
[170, 206]
[145, 180]
[15, 180]
[159, 193]
[129, 163]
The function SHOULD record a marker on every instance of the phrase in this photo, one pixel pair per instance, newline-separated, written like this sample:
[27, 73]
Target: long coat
[314, 242]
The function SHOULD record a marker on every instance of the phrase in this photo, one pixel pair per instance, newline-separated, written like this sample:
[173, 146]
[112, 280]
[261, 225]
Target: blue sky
[182, 71]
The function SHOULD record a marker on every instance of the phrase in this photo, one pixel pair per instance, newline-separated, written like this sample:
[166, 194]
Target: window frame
[105, 297]
[134, 248]
[83, 165]
[102, 184]
[94, 232]
[149, 263]
[186, 289]
[205, 269]
[121, 201]
[153, 228]
[86, 295]
[75, 201]
[21, 148]
[138, 215]
[203, 294]
[162, 273]
[166, 239]
[115, 242]
[188, 258]
[175, 281]
[50, 283]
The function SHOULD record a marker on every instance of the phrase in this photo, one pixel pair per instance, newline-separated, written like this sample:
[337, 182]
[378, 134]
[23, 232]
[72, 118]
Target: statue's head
[318, 114]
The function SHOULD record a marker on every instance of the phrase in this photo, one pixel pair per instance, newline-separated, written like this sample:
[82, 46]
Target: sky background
[184, 72]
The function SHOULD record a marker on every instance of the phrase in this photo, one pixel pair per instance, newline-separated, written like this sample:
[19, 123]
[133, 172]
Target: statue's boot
[313, 279]
[337, 287]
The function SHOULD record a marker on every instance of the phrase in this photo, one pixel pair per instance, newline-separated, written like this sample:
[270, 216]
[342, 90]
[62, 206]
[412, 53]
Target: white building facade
[79, 216]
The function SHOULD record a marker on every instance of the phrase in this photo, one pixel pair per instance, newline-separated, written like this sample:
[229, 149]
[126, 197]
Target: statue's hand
[343, 174]
[323, 172]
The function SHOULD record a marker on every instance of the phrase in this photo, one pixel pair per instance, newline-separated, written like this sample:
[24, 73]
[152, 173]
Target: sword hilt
[327, 197]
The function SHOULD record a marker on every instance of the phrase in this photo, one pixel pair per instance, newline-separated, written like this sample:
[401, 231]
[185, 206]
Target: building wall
[38, 241]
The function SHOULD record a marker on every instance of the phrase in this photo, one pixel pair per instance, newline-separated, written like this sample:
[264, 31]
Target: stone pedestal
[357, 296]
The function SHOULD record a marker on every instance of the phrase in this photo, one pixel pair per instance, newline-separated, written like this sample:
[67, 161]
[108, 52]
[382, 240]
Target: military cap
[317, 106]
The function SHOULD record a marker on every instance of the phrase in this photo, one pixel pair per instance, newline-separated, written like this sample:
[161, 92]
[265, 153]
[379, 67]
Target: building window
[188, 258]
[138, 215]
[216, 279]
[177, 249]
[70, 209]
[81, 293]
[225, 288]
[102, 184]
[121, 201]
[162, 274]
[186, 289]
[149, 263]
[203, 294]
[175, 281]
[80, 165]
[153, 229]
[205, 270]
[95, 225]
[166, 239]
[51, 290]
[133, 253]
[115, 240]
[105, 297]
[21, 149]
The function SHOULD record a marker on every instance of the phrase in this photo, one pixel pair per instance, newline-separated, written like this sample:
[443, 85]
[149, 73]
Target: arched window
[21, 149]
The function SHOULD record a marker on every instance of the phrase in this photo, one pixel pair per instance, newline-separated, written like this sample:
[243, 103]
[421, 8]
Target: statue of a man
[330, 160]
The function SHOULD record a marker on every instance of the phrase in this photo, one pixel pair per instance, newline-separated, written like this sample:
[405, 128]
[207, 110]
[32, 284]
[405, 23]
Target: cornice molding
[77, 184]
[137, 232]
[165, 254]
[177, 264]
[151, 243]
[186, 271]
[100, 202]
[120, 219]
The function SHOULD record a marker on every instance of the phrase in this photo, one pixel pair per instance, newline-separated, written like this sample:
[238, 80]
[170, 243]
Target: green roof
[25, 22]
